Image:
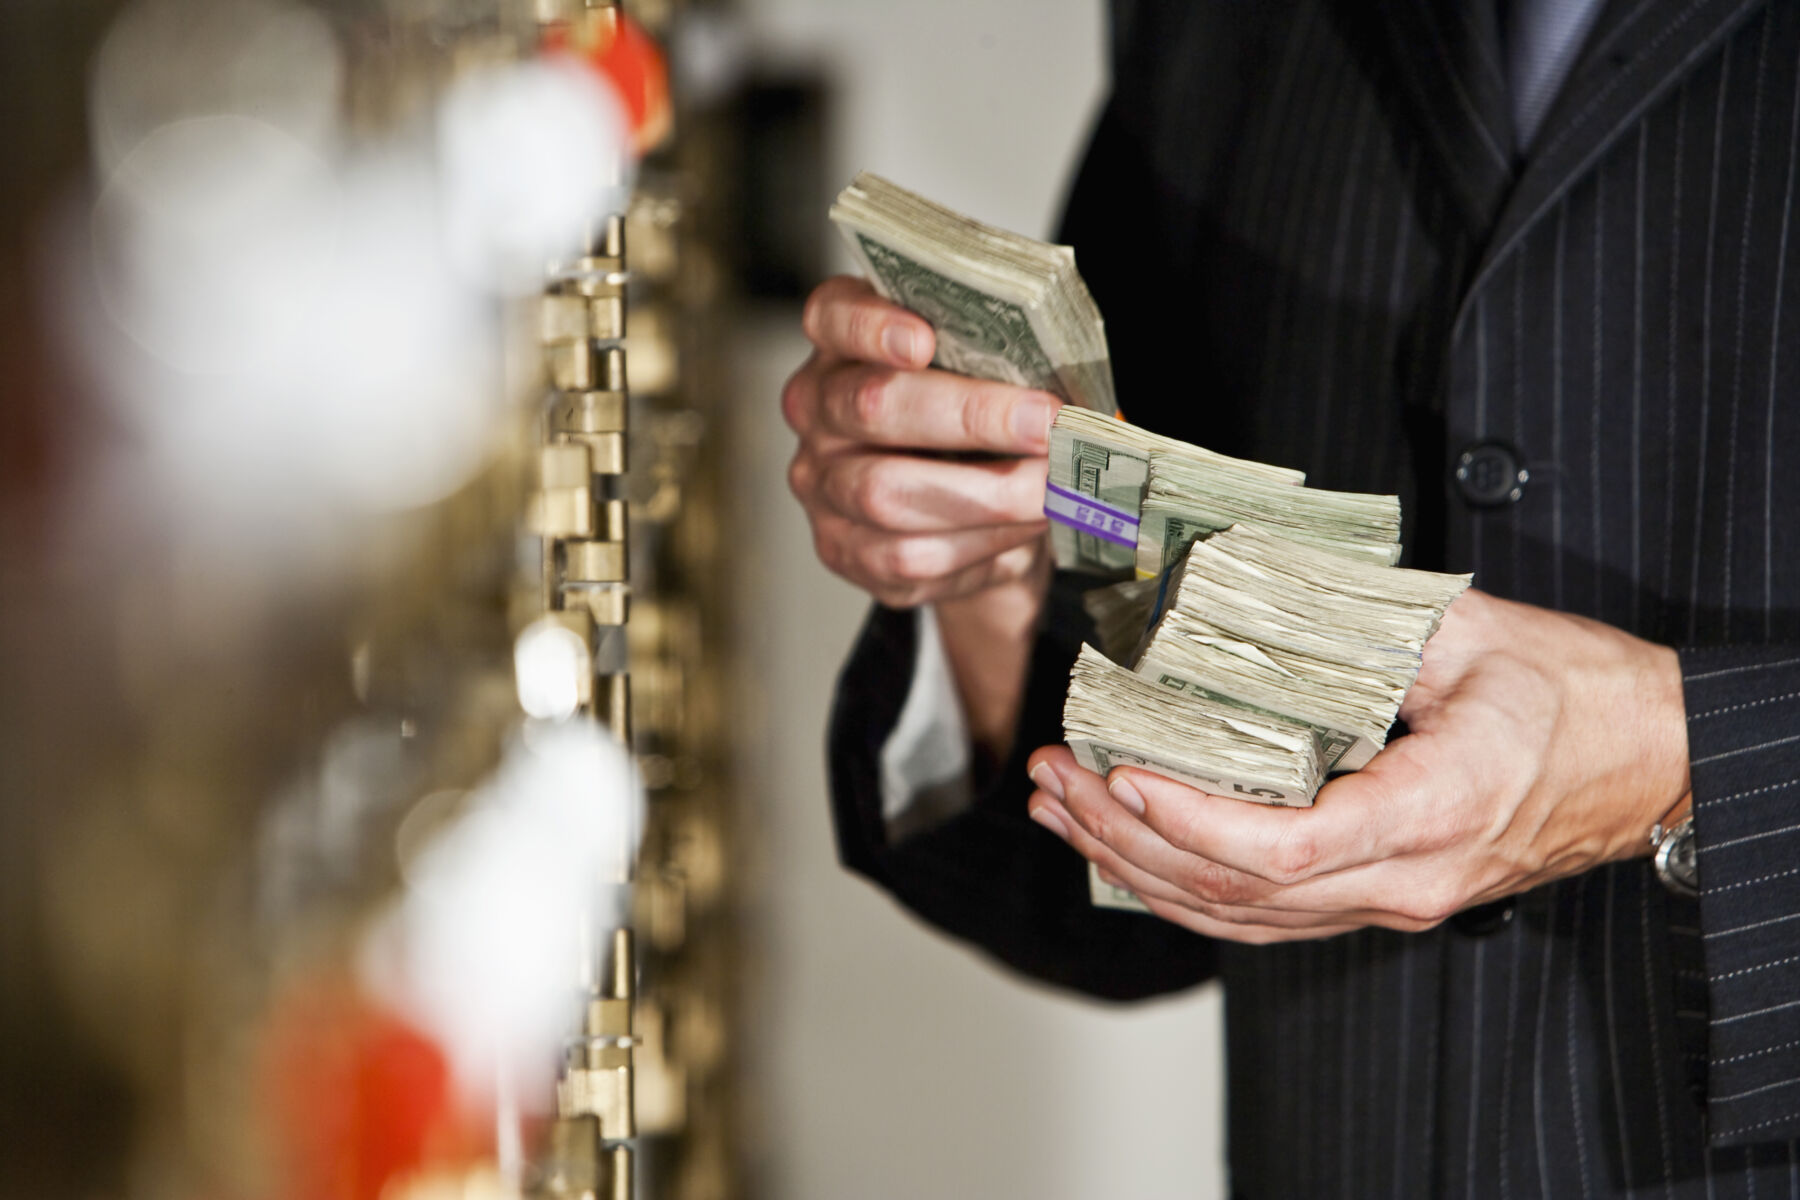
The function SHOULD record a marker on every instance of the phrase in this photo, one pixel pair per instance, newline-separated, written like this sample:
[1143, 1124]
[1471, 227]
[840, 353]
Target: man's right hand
[889, 511]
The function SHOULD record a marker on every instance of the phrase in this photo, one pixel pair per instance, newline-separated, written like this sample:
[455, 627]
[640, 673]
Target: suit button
[1490, 474]
[1484, 919]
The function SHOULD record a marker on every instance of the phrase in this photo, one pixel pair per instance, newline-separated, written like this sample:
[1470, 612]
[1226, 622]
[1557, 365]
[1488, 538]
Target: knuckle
[877, 495]
[979, 414]
[801, 478]
[829, 552]
[1213, 884]
[1099, 823]
[863, 329]
[869, 400]
[796, 399]
[1429, 905]
[1294, 858]
[812, 317]
[914, 561]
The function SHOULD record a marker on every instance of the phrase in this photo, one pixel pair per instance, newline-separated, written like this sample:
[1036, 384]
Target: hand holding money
[907, 526]
[1541, 745]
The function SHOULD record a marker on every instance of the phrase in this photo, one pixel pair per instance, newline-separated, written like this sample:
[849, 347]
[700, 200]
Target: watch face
[1678, 860]
[1684, 859]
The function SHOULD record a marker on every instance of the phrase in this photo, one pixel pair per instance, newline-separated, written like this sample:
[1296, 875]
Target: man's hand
[1541, 745]
[897, 516]
[907, 527]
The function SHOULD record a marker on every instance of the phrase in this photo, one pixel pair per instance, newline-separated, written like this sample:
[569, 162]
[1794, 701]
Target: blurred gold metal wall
[216, 768]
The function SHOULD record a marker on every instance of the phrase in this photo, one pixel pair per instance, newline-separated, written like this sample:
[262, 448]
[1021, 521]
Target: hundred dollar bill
[1099, 469]
[1005, 307]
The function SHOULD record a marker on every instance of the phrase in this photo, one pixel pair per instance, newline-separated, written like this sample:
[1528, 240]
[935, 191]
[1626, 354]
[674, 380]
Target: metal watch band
[1677, 862]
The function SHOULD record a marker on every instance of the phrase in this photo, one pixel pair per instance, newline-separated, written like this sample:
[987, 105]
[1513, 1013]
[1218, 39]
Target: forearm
[987, 875]
[988, 639]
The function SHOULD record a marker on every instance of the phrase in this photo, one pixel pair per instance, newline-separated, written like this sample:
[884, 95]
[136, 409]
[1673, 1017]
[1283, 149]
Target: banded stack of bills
[1099, 472]
[1005, 307]
[1267, 663]
[1186, 498]
[1114, 717]
[1260, 623]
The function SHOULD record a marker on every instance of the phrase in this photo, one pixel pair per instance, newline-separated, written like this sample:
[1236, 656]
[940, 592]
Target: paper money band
[1090, 516]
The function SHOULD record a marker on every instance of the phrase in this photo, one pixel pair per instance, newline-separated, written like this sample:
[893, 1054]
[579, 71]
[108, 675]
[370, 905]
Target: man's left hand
[1541, 745]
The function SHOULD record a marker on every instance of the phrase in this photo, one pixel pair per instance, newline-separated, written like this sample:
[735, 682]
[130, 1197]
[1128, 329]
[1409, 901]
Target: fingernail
[1046, 779]
[1108, 878]
[1031, 424]
[1125, 794]
[899, 342]
[1049, 820]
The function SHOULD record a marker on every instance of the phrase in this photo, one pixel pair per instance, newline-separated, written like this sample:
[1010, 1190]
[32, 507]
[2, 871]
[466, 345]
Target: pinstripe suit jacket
[1315, 246]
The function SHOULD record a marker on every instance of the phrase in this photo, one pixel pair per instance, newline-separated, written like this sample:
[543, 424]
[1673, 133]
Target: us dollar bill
[1099, 470]
[1101, 757]
[1102, 894]
[979, 334]
[1005, 307]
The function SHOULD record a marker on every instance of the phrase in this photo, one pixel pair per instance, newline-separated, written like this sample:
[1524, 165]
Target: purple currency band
[1090, 516]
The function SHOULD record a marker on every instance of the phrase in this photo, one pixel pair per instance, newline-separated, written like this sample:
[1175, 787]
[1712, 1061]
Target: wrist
[1661, 793]
[987, 637]
[1671, 791]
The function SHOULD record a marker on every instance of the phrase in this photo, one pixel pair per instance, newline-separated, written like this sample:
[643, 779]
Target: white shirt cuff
[926, 759]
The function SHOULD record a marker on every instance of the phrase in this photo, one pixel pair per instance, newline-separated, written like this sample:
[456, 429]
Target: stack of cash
[1268, 637]
[1186, 498]
[1005, 307]
[1114, 717]
[1258, 622]
[1099, 471]
[1266, 664]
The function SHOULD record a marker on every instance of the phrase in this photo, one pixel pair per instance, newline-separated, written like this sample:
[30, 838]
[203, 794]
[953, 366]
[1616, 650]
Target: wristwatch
[1677, 861]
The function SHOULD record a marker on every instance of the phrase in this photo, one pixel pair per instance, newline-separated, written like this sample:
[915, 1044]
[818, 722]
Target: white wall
[885, 1061]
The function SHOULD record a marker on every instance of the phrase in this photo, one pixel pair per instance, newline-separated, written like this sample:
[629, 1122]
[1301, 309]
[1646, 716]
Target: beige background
[888, 1062]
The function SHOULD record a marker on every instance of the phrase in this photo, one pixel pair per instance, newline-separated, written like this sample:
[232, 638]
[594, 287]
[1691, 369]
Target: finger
[903, 494]
[903, 570]
[1046, 810]
[1408, 894]
[1250, 935]
[1386, 810]
[1112, 839]
[1245, 925]
[1285, 912]
[800, 395]
[844, 317]
[934, 410]
[1181, 876]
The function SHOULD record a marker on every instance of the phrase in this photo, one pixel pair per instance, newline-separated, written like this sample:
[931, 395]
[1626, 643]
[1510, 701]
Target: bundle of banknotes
[1253, 668]
[1005, 307]
[1267, 640]
[1262, 636]
[1293, 658]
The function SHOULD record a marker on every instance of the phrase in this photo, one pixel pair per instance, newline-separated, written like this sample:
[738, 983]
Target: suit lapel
[1446, 65]
[1638, 50]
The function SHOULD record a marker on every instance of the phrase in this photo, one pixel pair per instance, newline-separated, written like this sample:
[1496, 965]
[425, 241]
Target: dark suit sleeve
[1743, 705]
[988, 875]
